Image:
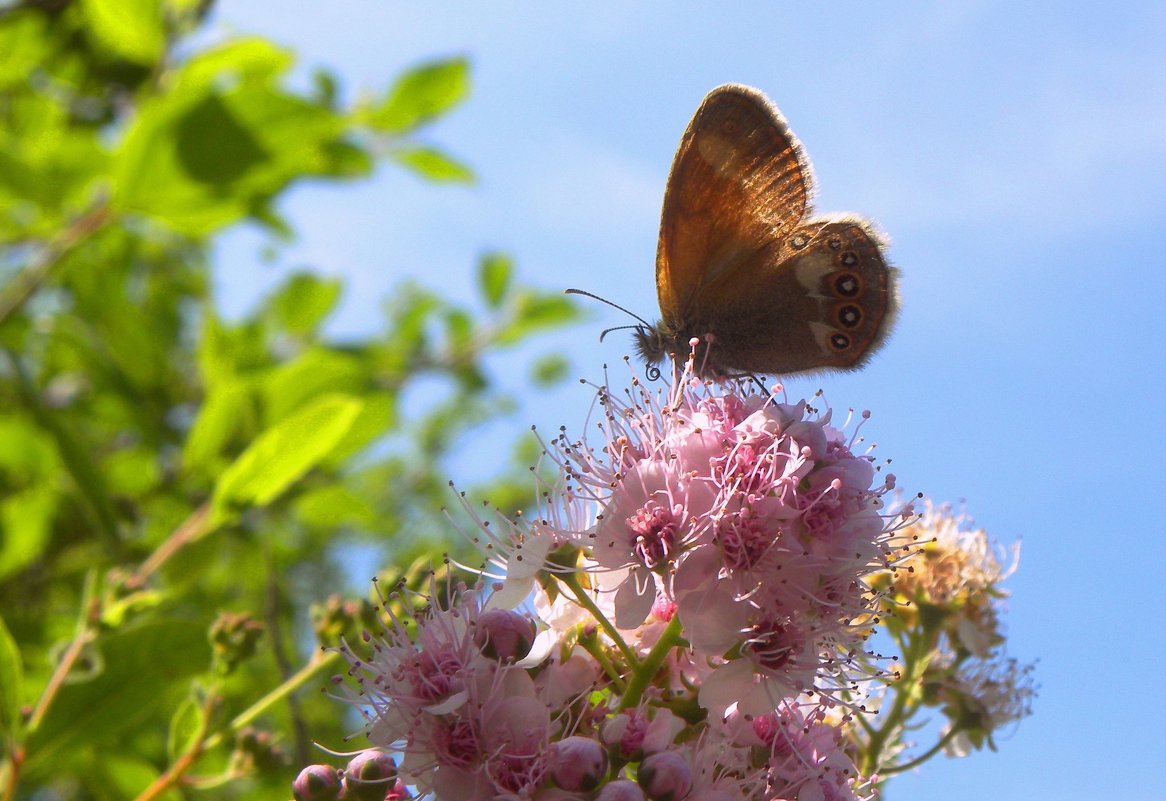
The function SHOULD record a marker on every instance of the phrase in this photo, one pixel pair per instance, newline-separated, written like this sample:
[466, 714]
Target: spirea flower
[699, 582]
[756, 522]
[955, 578]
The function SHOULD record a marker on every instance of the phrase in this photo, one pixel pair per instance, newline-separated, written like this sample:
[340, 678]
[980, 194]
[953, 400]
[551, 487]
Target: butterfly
[744, 269]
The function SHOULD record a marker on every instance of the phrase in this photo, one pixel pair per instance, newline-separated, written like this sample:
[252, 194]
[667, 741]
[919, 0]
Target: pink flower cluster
[754, 521]
[696, 608]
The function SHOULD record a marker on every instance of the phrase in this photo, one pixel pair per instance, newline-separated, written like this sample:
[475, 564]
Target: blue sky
[1016, 155]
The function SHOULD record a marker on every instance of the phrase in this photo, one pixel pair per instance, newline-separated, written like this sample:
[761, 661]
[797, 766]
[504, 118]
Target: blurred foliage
[178, 490]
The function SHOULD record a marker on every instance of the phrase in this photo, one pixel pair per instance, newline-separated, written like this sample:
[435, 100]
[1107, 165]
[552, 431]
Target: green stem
[571, 581]
[322, 660]
[81, 637]
[599, 652]
[916, 657]
[178, 769]
[646, 671]
[26, 282]
[917, 761]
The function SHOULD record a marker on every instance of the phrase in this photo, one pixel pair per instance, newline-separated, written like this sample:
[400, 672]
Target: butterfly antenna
[607, 331]
[613, 305]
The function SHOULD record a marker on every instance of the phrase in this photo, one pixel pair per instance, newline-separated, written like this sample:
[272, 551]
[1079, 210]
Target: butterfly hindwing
[823, 299]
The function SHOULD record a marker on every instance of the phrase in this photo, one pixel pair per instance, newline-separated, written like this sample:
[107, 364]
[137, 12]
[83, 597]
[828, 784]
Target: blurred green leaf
[184, 727]
[119, 775]
[213, 146]
[11, 687]
[29, 468]
[495, 272]
[422, 94]
[139, 668]
[24, 43]
[227, 411]
[201, 160]
[131, 29]
[316, 372]
[431, 164]
[132, 471]
[377, 416]
[25, 527]
[284, 453]
[549, 369]
[303, 302]
[246, 60]
[335, 505]
[537, 311]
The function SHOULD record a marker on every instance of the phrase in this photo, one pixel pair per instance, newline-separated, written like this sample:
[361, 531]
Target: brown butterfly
[739, 265]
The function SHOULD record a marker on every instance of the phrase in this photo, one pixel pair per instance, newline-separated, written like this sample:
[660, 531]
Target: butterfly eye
[799, 242]
[850, 316]
[847, 285]
[835, 243]
[849, 258]
[839, 341]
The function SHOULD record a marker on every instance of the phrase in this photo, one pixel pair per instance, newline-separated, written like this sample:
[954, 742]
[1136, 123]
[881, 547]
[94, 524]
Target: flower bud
[666, 776]
[504, 635]
[369, 776]
[620, 790]
[317, 783]
[578, 763]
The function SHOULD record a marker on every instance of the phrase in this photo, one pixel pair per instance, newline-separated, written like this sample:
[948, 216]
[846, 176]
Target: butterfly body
[743, 269]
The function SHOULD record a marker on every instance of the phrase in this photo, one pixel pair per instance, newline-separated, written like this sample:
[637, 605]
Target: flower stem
[646, 671]
[321, 660]
[571, 581]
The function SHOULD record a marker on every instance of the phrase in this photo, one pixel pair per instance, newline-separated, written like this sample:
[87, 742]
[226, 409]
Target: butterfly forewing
[738, 184]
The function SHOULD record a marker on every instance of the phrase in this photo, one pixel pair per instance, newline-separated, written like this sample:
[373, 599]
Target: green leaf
[25, 527]
[333, 506]
[228, 410]
[132, 471]
[185, 724]
[312, 374]
[431, 164]
[32, 465]
[150, 168]
[247, 60]
[303, 302]
[24, 43]
[200, 161]
[495, 271]
[131, 29]
[537, 311]
[284, 453]
[422, 94]
[213, 146]
[549, 370]
[11, 687]
[378, 416]
[138, 667]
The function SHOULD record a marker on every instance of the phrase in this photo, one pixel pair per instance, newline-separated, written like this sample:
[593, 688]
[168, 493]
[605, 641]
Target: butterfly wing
[739, 183]
[823, 298]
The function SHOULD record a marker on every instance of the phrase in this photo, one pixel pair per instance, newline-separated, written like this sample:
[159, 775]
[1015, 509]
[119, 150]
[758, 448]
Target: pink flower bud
[369, 776]
[317, 783]
[620, 790]
[666, 776]
[578, 763]
[504, 635]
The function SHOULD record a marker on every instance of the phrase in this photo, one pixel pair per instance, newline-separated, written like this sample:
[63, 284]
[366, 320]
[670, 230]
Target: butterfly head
[651, 343]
